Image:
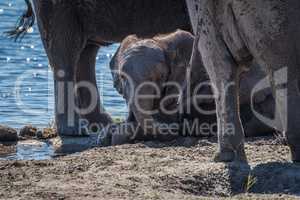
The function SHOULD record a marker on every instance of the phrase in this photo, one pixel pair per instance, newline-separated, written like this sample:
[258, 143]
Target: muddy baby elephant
[149, 73]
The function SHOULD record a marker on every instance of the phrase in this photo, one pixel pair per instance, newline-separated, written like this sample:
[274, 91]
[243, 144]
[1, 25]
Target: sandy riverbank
[181, 169]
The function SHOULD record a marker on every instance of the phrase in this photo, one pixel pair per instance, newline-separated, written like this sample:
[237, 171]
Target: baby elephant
[149, 74]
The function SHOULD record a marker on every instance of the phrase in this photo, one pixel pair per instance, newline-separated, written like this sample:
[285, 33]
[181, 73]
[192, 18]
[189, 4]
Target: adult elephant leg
[66, 117]
[276, 47]
[64, 63]
[230, 131]
[285, 76]
[284, 60]
[285, 81]
[293, 112]
[63, 57]
[90, 109]
[224, 75]
[64, 38]
[63, 46]
[293, 124]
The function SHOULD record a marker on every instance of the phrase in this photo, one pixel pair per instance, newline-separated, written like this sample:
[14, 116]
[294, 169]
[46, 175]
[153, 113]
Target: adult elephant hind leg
[230, 130]
[224, 77]
[293, 118]
[293, 82]
[223, 71]
[282, 60]
[285, 85]
[275, 46]
[87, 95]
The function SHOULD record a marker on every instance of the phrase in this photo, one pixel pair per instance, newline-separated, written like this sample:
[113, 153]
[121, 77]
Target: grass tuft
[250, 182]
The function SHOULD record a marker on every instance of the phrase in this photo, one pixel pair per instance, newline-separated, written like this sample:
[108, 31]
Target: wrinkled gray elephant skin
[233, 33]
[72, 32]
[159, 60]
[164, 60]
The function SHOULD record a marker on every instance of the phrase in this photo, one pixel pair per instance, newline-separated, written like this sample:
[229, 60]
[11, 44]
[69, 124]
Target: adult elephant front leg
[90, 108]
[66, 115]
[64, 40]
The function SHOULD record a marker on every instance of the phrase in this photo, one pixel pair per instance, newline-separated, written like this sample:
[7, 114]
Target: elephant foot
[105, 119]
[118, 139]
[112, 135]
[228, 155]
[105, 137]
[224, 156]
[295, 153]
[71, 131]
[65, 128]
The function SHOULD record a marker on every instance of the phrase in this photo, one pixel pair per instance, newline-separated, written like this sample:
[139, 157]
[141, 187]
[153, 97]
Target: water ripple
[27, 61]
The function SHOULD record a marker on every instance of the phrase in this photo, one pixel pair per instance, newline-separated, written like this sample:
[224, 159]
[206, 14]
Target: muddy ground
[181, 169]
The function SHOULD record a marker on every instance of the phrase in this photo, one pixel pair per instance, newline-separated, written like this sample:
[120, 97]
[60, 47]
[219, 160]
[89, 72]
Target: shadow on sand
[256, 178]
[265, 178]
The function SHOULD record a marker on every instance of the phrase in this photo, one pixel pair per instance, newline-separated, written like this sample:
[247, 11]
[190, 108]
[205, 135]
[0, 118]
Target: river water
[26, 84]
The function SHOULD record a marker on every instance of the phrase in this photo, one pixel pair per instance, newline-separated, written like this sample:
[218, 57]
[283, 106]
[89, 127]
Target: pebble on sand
[8, 134]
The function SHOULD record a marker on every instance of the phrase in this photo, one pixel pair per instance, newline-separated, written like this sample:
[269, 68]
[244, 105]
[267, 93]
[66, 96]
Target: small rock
[46, 133]
[8, 134]
[28, 132]
[7, 149]
[39, 134]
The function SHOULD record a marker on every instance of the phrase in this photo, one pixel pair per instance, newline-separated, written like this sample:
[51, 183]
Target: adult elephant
[233, 33]
[72, 32]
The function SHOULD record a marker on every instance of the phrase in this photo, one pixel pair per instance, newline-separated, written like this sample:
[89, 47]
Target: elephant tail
[24, 24]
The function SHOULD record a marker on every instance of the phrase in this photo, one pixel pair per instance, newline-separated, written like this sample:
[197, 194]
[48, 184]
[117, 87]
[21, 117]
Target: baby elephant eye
[122, 76]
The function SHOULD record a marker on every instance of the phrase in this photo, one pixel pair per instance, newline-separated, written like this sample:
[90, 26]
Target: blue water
[26, 86]
[30, 150]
